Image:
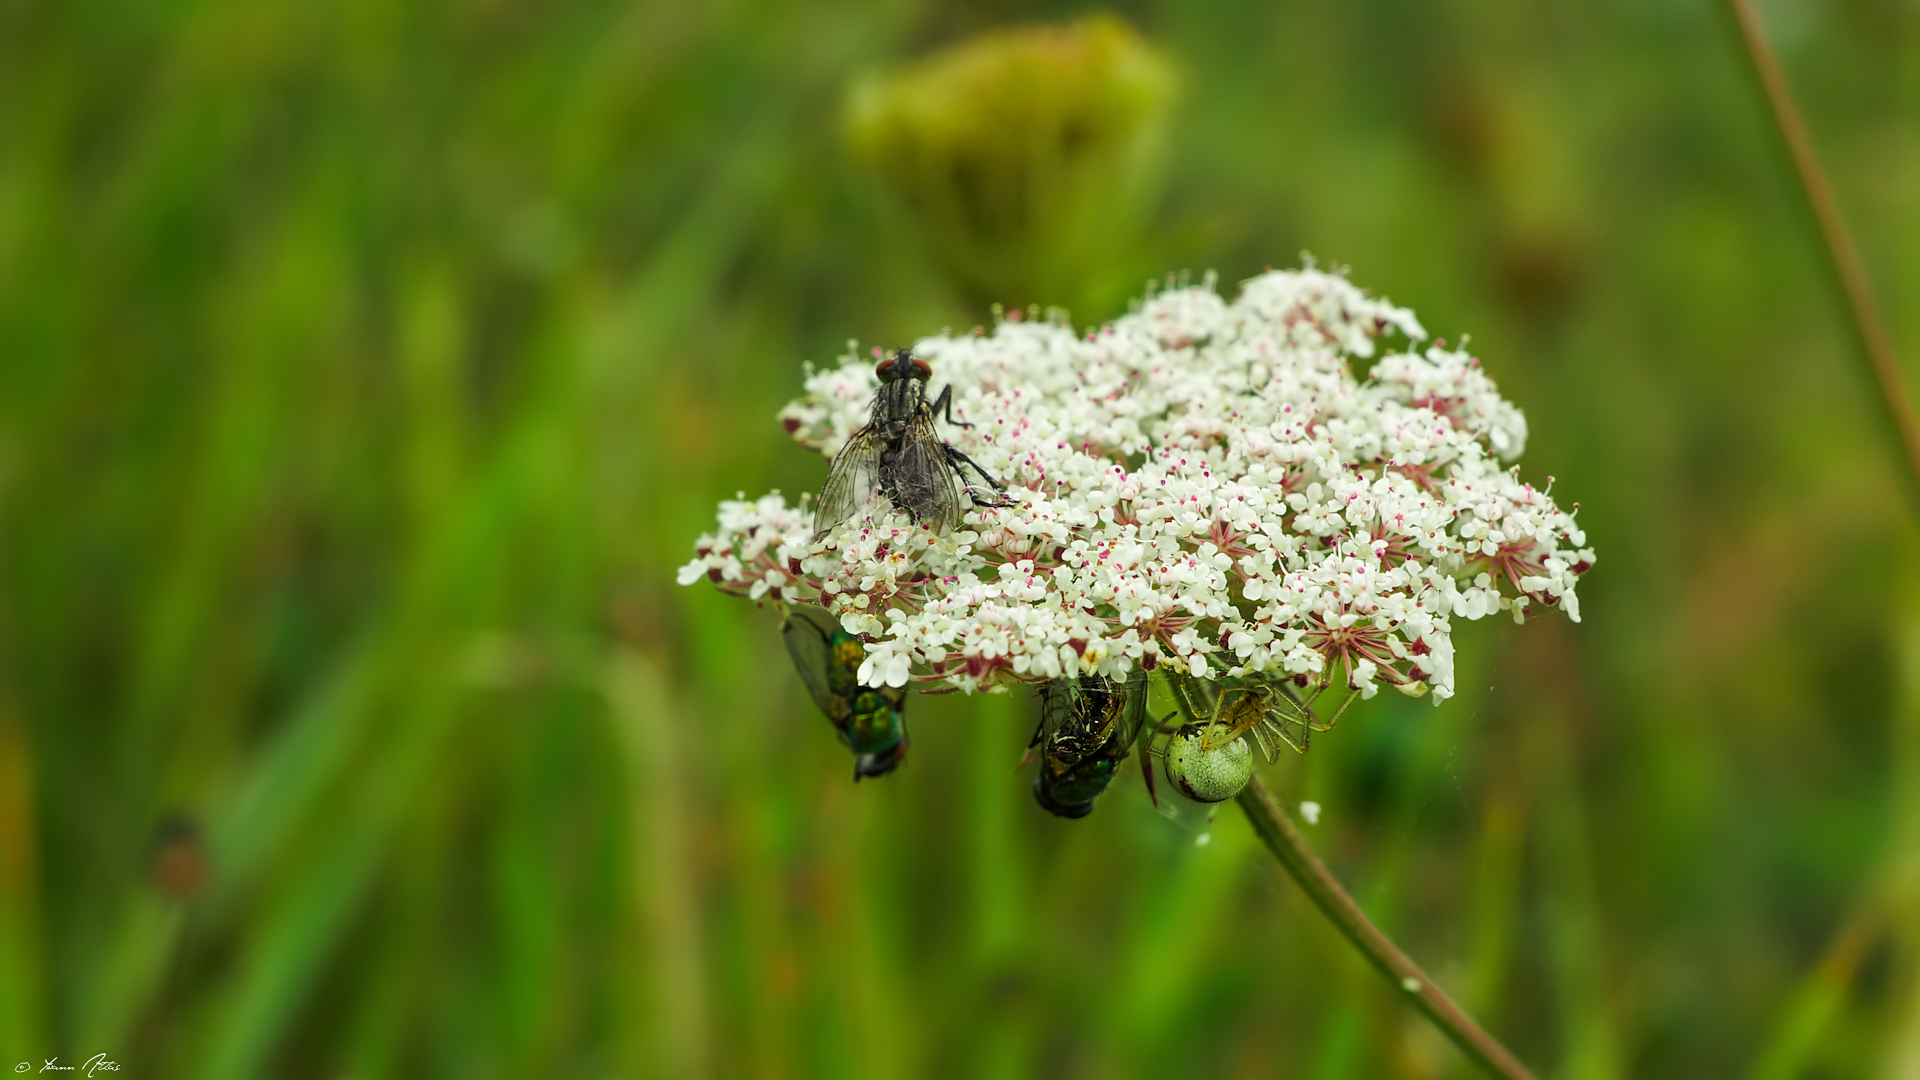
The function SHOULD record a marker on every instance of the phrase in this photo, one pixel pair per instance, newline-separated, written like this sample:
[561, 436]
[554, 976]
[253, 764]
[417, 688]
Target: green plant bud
[1029, 158]
[1207, 776]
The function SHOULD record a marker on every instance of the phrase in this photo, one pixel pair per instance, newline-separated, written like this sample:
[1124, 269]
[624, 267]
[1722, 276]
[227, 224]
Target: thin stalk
[1875, 342]
[1273, 825]
[1824, 989]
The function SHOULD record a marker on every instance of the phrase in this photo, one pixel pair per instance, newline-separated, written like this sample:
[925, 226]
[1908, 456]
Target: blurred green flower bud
[1029, 158]
[1203, 775]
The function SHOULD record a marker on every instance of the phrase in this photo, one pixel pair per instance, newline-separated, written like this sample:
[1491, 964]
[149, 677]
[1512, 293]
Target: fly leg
[957, 458]
[943, 406]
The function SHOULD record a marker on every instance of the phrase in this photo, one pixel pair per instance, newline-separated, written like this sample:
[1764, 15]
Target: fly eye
[902, 365]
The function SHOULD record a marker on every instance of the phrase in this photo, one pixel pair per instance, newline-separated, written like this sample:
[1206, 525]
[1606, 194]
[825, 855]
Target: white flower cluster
[1200, 484]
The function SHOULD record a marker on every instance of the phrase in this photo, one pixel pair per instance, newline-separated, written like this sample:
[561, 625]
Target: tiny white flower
[1201, 484]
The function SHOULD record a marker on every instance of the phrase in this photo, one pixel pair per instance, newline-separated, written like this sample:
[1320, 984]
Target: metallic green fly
[871, 720]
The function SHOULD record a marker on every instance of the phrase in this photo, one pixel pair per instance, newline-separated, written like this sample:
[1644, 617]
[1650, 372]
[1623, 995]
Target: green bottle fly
[871, 720]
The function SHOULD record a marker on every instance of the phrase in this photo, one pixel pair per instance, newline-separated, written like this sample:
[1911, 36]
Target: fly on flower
[899, 455]
[872, 720]
[1085, 728]
[1210, 494]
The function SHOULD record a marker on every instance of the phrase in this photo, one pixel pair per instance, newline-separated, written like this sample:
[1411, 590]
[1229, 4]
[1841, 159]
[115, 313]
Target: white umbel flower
[1200, 484]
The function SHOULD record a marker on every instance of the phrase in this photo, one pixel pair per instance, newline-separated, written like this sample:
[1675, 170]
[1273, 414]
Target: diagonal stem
[1844, 260]
[1274, 827]
[1822, 989]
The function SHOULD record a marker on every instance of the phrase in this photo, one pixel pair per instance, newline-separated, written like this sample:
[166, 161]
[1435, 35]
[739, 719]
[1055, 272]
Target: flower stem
[1841, 256]
[1273, 825]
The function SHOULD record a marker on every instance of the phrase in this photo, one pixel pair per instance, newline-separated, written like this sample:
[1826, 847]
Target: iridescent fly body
[871, 720]
[898, 454]
[1086, 726]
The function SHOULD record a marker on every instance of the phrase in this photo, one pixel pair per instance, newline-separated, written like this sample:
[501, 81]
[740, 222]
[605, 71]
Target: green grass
[366, 369]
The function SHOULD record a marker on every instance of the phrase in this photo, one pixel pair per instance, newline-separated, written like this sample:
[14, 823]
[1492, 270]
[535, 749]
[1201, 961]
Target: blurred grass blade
[673, 1022]
[22, 1008]
[1901, 1056]
[297, 935]
[1794, 1038]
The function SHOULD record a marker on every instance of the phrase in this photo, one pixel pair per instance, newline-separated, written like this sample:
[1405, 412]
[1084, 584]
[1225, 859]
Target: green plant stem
[1274, 827]
[1875, 342]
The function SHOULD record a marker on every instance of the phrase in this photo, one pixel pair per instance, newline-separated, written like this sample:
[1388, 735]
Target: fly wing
[1142, 730]
[1056, 710]
[1099, 709]
[807, 645]
[1081, 716]
[1133, 706]
[853, 479]
[921, 479]
[1110, 706]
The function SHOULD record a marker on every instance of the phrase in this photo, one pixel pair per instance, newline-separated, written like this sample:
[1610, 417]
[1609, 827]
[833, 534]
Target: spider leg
[1147, 752]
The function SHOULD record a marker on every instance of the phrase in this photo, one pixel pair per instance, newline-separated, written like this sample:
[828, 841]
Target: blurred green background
[367, 368]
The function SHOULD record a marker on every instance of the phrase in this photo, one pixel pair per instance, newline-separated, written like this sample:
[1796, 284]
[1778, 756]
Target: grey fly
[898, 455]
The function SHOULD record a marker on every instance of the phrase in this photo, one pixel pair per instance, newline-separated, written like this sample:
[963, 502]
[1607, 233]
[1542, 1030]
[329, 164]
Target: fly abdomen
[871, 721]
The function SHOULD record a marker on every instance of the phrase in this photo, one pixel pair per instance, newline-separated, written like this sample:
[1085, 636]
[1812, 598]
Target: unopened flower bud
[1028, 157]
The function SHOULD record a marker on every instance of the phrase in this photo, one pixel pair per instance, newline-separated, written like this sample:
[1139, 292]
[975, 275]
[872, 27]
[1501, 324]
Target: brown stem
[1845, 261]
[1273, 825]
